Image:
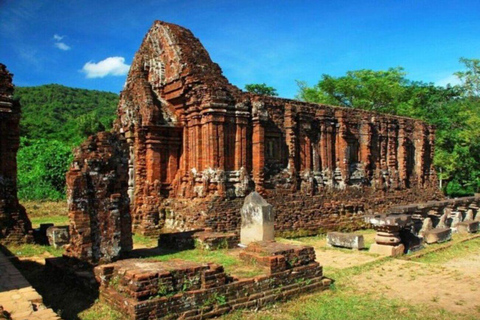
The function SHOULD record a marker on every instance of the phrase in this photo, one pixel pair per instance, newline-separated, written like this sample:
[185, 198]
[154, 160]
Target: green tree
[365, 89]
[470, 78]
[261, 88]
[42, 165]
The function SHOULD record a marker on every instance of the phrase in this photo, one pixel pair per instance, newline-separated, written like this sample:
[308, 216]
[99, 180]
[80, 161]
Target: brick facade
[14, 223]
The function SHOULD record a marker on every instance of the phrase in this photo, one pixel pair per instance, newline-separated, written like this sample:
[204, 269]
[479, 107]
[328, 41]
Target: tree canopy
[261, 88]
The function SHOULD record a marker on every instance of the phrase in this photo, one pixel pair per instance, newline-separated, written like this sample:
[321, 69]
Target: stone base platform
[203, 239]
[387, 250]
[438, 235]
[177, 289]
[277, 257]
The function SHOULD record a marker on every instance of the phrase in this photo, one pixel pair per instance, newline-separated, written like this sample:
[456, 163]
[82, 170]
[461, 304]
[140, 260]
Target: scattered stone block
[426, 226]
[387, 250]
[202, 238]
[257, 220]
[437, 235]
[345, 240]
[177, 240]
[58, 236]
[209, 240]
[467, 227]
[469, 215]
[456, 219]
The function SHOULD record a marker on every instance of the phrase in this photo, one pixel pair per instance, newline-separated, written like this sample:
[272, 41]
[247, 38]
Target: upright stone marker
[257, 220]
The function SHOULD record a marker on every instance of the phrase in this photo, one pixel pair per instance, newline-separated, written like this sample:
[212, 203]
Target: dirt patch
[445, 286]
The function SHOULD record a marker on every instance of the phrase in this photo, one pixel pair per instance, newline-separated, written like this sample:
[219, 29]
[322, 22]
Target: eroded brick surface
[177, 289]
[98, 203]
[14, 223]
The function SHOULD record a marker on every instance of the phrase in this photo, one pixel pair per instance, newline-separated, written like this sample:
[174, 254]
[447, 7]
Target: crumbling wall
[98, 203]
[14, 223]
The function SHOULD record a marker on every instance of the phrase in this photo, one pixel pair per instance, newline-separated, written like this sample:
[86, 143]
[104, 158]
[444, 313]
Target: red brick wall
[14, 223]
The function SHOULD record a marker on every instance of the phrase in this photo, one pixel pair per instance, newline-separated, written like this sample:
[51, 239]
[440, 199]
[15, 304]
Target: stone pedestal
[387, 240]
[257, 220]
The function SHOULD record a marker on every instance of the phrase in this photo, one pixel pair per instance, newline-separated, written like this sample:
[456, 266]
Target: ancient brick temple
[14, 223]
[197, 145]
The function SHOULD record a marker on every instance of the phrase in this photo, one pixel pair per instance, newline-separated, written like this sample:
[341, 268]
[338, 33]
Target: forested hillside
[55, 119]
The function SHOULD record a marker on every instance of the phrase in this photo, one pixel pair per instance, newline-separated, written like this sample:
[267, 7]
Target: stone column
[402, 155]
[387, 240]
[365, 147]
[258, 154]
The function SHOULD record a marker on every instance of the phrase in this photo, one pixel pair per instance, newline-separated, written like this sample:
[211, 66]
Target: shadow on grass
[66, 299]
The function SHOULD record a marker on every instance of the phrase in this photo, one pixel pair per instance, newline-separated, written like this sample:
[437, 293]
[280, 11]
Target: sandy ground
[453, 286]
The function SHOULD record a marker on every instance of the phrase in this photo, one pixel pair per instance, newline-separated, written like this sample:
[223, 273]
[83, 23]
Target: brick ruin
[100, 222]
[147, 289]
[14, 223]
[195, 145]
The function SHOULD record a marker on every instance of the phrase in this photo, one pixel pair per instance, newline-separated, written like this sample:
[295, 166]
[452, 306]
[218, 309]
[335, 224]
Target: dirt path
[453, 286]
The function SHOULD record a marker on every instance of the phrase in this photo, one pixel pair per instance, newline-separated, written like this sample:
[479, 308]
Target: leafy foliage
[42, 165]
[261, 88]
[453, 110]
[54, 120]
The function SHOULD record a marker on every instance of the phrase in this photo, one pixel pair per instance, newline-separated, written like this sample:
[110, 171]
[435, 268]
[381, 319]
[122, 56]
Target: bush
[42, 165]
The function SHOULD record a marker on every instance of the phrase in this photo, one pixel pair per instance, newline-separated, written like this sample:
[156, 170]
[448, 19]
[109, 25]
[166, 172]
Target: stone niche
[14, 223]
[195, 146]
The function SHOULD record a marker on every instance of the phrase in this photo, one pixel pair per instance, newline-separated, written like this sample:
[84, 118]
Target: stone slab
[386, 250]
[345, 240]
[438, 235]
[58, 236]
[467, 227]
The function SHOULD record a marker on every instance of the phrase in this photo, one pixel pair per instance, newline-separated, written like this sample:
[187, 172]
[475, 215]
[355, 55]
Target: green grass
[232, 264]
[56, 220]
[31, 250]
[100, 311]
[457, 250]
[336, 305]
[144, 241]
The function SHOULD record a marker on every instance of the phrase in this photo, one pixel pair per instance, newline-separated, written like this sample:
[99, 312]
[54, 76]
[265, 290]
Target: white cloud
[111, 66]
[62, 46]
[57, 37]
[451, 79]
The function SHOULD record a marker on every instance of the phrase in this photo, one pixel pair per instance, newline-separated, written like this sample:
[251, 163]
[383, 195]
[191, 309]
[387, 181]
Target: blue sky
[89, 44]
